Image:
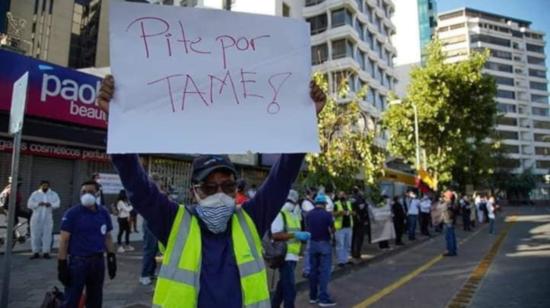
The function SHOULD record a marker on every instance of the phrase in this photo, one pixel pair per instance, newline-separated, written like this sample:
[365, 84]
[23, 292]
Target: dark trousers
[466, 220]
[320, 254]
[411, 224]
[150, 250]
[286, 287]
[85, 272]
[399, 227]
[425, 223]
[123, 226]
[357, 239]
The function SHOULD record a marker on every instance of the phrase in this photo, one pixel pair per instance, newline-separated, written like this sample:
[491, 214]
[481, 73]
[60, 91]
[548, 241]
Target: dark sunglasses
[209, 188]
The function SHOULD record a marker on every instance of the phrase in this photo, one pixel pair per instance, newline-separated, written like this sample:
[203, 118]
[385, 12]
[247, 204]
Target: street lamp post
[416, 137]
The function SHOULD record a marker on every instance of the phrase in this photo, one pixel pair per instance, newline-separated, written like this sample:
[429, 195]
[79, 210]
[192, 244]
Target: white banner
[381, 223]
[209, 81]
[110, 183]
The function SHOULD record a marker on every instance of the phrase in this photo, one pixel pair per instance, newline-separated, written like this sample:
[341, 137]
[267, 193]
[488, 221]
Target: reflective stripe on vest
[178, 283]
[338, 221]
[293, 225]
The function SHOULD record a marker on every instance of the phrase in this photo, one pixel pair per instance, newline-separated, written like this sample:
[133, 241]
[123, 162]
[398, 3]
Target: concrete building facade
[517, 62]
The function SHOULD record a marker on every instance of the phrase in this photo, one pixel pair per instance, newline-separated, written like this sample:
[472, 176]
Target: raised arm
[271, 196]
[145, 196]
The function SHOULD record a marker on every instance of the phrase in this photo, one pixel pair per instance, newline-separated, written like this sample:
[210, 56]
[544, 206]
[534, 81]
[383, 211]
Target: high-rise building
[416, 21]
[517, 63]
[64, 32]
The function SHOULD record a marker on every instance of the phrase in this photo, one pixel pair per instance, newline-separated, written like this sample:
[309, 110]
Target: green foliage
[347, 149]
[516, 186]
[456, 108]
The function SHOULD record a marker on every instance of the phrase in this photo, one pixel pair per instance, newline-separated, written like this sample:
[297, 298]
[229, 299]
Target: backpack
[274, 252]
[53, 299]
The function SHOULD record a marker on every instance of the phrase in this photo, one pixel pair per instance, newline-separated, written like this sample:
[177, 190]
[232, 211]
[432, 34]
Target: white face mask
[215, 211]
[87, 199]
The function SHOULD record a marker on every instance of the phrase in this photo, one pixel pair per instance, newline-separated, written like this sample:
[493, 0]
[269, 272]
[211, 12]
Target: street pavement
[420, 277]
[412, 276]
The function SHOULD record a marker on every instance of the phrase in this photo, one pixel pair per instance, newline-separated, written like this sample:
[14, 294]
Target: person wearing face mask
[212, 250]
[343, 222]
[42, 202]
[286, 227]
[85, 237]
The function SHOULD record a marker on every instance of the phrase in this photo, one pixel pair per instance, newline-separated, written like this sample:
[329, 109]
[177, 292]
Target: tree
[348, 149]
[456, 109]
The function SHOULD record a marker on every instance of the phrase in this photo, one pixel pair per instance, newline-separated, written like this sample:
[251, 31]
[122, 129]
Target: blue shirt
[318, 222]
[220, 284]
[88, 230]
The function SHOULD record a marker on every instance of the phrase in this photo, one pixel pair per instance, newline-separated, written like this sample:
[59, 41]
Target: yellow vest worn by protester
[178, 282]
[338, 221]
[292, 225]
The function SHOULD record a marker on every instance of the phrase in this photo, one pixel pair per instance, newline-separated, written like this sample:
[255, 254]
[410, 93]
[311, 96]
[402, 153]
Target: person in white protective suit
[42, 202]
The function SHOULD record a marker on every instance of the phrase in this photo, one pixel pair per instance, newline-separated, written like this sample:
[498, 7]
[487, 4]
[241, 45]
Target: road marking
[467, 292]
[405, 279]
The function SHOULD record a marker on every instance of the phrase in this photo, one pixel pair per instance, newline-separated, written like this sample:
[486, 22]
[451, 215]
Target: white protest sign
[209, 81]
[110, 183]
[18, 102]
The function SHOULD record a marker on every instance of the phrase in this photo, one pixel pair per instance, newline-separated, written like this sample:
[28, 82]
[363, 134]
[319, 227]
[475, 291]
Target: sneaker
[120, 249]
[46, 256]
[35, 256]
[129, 248]
[313, 301]
[327, 304]
[145, 281]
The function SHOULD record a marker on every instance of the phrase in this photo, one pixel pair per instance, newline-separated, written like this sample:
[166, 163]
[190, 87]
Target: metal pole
[11, 218]
[416, 137]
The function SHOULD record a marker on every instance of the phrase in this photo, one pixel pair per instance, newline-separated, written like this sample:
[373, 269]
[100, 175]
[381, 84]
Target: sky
[535, 11]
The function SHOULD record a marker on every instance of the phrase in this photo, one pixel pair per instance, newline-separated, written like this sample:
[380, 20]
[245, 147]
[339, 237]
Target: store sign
[54, 92]
[55, 151]
[110, 183]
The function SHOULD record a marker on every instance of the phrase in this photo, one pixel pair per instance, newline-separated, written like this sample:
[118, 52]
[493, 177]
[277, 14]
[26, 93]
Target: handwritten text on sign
[202, 79]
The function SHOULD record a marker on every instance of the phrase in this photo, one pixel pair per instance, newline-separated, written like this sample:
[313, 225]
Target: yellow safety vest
[292, 225]
[340, 219]
[178, 282]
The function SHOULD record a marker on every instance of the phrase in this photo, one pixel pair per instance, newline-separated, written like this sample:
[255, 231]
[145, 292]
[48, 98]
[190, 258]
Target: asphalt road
[513, 272]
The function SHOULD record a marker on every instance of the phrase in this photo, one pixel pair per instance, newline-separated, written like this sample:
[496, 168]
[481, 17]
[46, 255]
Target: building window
[506, 108]
[537, 73]
[319, 53]
[544, 151]
[370, 39]
[543, 86]
[535, 60]
[313, 2]
[360, 28]
[541, 124]
[539, 111]
[542, 137]
[368, 12]
[341, 49]
[360, 5]
[318, 23]
[380, 76]
[543, 164]
[342, 78]
[539, 98]
[371, 93]
[507, 148]
[378, 24]
[501, 54]
[341, 17]
[504, 80]
[507, 121]
[498, 67]
[506, 94]
[370, 68]
[85, 28]
[361, 59]
[286, 10]
[535, 48]
[489, 39]
[507, 135]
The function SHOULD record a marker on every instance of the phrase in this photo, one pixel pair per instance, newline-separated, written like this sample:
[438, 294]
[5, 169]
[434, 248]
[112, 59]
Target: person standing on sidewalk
[361, 217]
[399, 219]
[412, 214]
[307, 206]
[343, 223]
[84, 239]
[320, 224]
[42, 202]
[466, 212]
[425, 214]
[123, 218]
[491, 208]
[212, 251]
[448, 213]
[286, 227]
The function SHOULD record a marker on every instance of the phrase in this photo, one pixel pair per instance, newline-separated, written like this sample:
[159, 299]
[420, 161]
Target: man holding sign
[212, 251]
